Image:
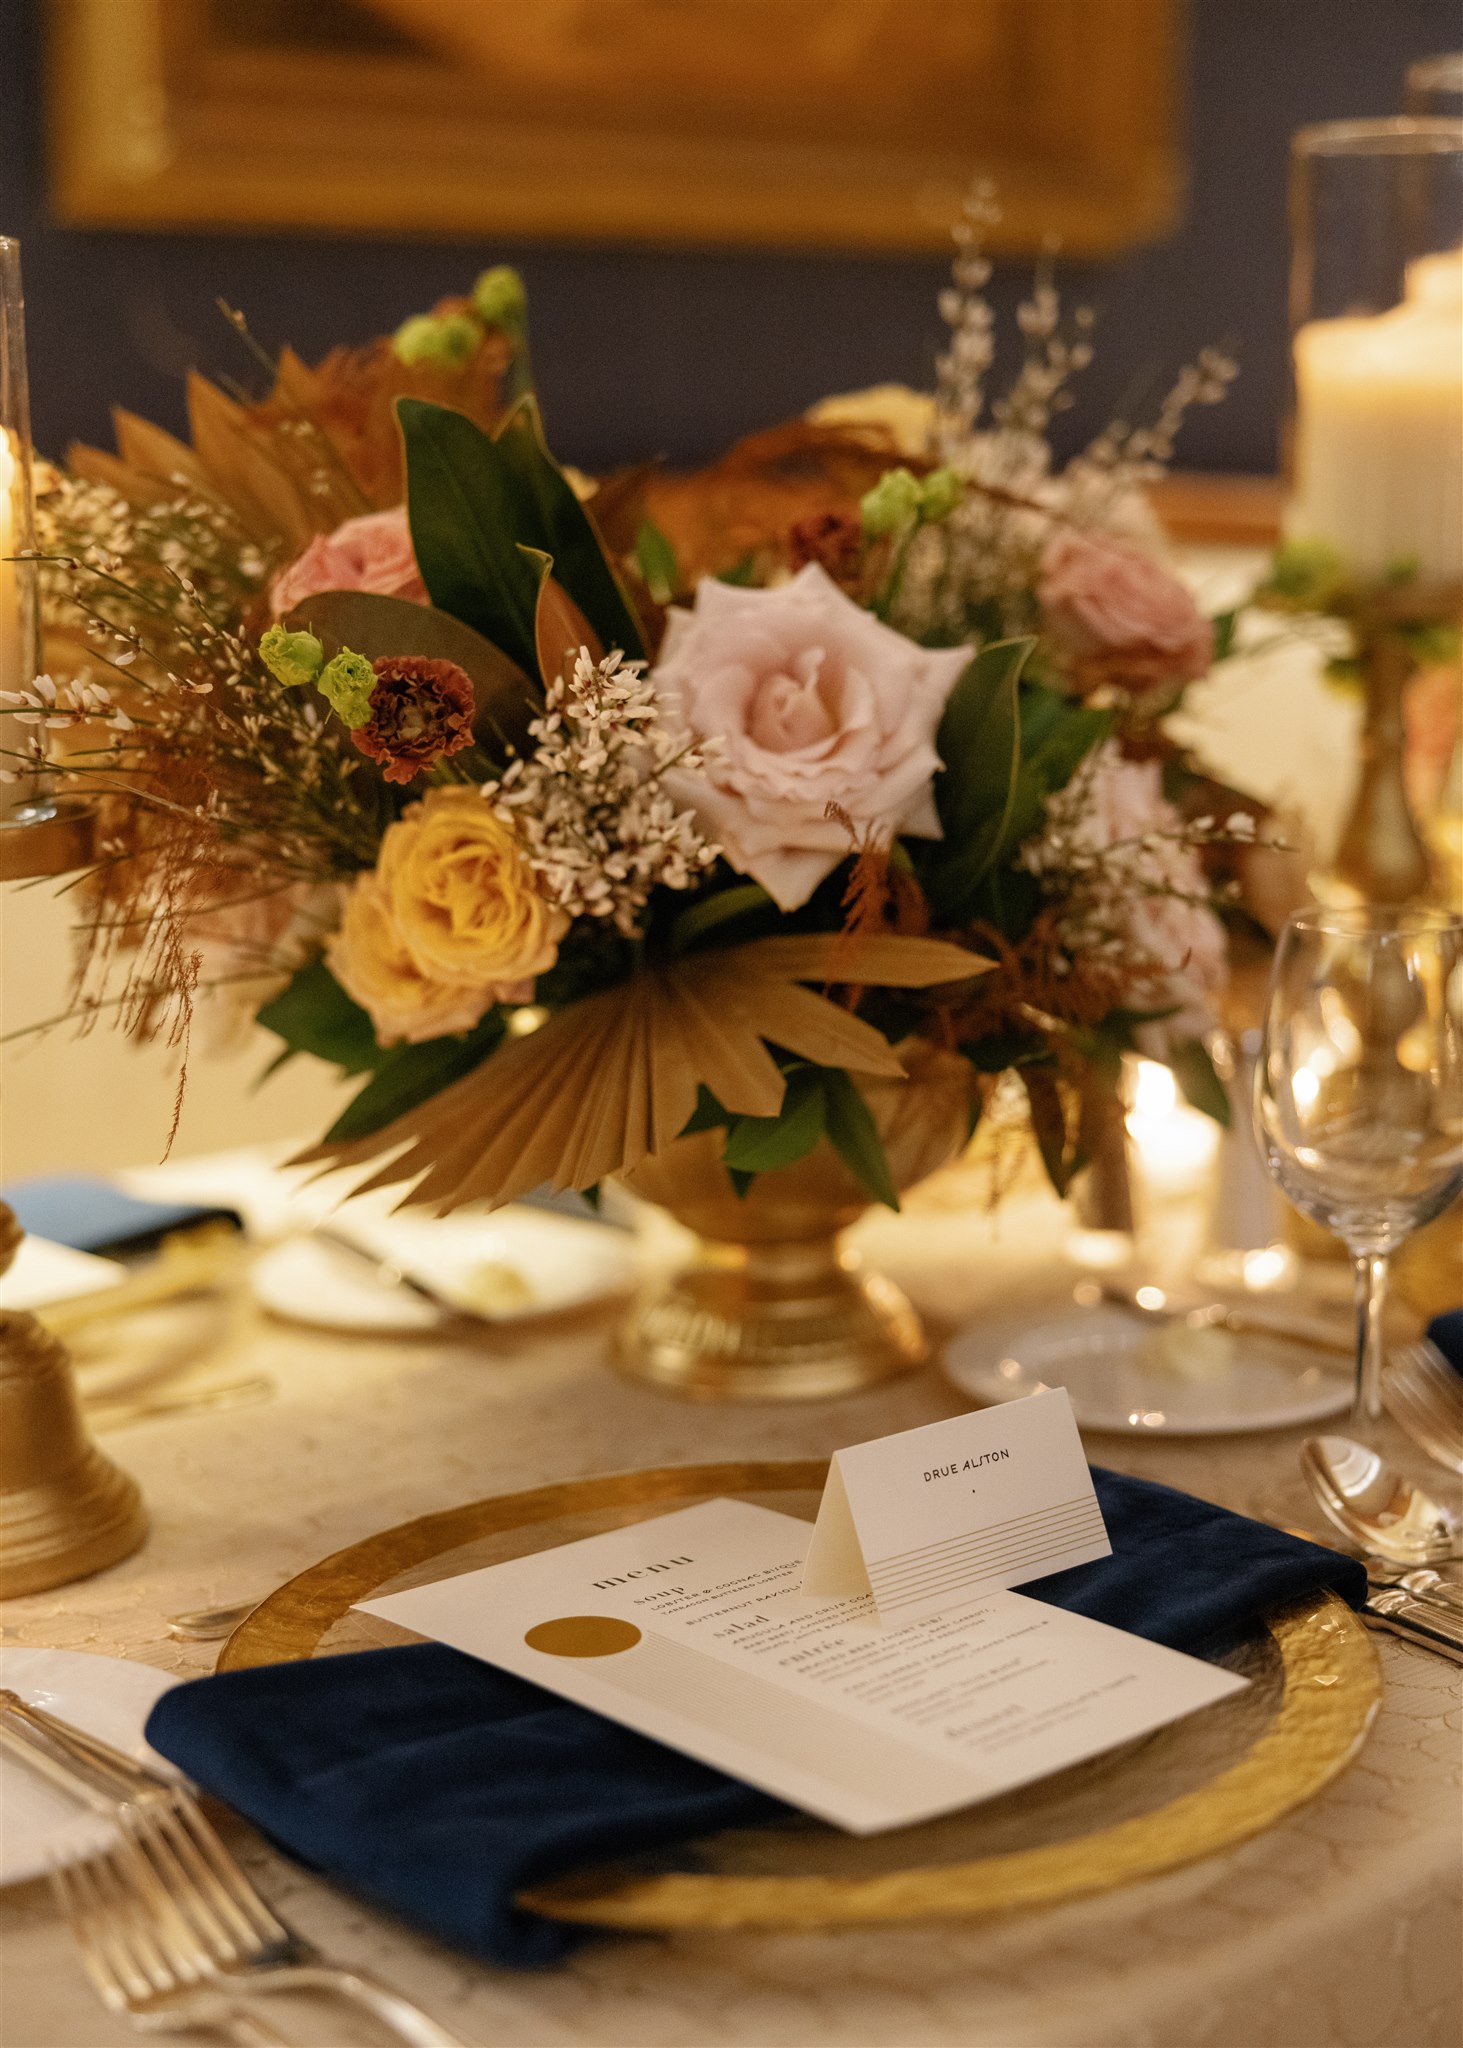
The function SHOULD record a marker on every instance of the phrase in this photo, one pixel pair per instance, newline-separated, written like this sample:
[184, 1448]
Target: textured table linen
[1338, 1928]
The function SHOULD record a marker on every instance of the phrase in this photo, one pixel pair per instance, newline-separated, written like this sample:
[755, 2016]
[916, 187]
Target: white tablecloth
[1339, 1926]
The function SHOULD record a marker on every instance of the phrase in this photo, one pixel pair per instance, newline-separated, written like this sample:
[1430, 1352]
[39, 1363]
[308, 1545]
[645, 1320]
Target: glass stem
[1371, 1305]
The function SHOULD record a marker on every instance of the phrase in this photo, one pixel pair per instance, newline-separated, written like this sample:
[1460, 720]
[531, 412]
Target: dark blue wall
[641, 353]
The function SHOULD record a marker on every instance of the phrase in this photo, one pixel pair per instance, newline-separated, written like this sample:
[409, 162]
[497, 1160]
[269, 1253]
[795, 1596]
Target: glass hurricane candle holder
[1375, 516]
[18, 646]
[1376, 304]
[38, 835]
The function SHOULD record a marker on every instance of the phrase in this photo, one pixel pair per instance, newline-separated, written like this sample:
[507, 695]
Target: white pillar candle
[1379, 429]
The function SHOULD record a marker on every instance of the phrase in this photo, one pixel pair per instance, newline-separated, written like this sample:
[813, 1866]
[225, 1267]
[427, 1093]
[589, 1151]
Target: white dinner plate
[504, 1266]
[1100, 1356]
[106, 1696]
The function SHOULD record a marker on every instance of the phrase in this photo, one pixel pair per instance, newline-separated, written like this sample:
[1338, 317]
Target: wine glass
[1359, 1089]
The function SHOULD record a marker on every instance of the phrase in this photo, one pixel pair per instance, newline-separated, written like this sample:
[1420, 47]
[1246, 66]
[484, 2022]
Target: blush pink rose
[1112, 607]
[371, 553]
[812, 702]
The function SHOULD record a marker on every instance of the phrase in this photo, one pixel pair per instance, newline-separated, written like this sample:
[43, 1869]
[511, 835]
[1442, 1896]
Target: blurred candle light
[1174, 1145]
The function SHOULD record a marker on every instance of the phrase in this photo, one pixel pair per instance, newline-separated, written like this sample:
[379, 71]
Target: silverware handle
[1405, 1615]
[249, 2032]
[45, 1738]
[407, 2021]
[1440, 1594]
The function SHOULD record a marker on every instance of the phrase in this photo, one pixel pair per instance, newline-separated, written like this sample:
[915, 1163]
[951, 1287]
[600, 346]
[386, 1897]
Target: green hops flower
[291, 658]
[894, 502]
[940, 493]
[500, 298]
[346, 684]
[446, 340]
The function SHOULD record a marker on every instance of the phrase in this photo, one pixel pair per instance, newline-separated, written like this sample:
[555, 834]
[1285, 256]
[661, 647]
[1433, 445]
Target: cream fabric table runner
[1339, 1926]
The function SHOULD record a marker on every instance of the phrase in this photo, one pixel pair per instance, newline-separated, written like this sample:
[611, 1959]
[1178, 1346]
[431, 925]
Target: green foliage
[314, 1014]
[1224, 624]
[656, 560]
[853, 1136]
[742, 574]
[1006, 746]
[475, 504]
[707, 912]
[760, 1144]
[411, 1074]
[979, 742]
[563, 529]
[819, 1102]
[1194, 1071]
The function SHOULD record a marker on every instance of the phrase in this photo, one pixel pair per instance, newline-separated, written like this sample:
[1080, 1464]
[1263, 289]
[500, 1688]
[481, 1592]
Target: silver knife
[1426, 1623]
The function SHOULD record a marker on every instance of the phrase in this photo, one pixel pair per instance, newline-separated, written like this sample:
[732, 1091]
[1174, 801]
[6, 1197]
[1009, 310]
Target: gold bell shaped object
[65, 1510]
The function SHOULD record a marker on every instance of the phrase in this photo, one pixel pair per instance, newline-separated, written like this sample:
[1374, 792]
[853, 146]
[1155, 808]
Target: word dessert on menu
[693, 1628]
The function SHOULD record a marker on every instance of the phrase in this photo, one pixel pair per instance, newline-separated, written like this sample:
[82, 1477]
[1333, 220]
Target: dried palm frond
[613, 1079]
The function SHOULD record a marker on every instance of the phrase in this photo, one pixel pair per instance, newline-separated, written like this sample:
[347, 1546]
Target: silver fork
[196, 1889]
[131, 1969]
[217, 1909]
[1425, 1397]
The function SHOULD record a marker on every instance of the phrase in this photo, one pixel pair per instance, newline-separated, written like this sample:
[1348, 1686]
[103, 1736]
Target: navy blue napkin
[1446, 1332]
[439, 1787]
[93, 1216]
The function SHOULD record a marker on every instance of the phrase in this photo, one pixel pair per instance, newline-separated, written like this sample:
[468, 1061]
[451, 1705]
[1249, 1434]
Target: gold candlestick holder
[1382, 856]
[65, 1509]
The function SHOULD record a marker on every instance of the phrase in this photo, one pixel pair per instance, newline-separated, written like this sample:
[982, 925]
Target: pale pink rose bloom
[1110, 603]
[1179, 948]
[812, 701]
[371, 553]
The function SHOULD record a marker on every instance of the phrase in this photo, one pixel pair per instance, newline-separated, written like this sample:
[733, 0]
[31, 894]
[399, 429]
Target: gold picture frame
[824, 124]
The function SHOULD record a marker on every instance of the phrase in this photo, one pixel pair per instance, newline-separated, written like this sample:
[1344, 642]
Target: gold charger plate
[1199, 1786]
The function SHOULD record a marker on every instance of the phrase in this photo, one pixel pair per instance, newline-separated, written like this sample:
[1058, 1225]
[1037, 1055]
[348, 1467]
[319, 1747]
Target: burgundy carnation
[421, 710]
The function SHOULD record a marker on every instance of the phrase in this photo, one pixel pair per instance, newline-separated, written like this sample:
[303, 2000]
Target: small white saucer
[107, 1696]
[502, 1267]
[1098, 1355]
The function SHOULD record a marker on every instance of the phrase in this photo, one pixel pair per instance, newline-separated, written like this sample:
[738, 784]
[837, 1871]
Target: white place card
[691, 1628]
[938, 1515]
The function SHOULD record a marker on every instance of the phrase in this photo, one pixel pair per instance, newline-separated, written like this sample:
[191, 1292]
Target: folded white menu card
[929, 1518]
[692, 1628]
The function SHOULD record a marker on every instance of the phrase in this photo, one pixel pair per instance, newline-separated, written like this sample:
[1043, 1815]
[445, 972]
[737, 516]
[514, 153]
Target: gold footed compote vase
[771, 1307]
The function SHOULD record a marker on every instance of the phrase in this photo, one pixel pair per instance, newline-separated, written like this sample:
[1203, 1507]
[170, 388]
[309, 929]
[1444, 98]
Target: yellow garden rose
[448, 923]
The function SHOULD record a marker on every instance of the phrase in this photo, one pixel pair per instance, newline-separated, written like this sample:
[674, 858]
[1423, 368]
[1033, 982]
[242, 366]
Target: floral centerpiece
[590, 851]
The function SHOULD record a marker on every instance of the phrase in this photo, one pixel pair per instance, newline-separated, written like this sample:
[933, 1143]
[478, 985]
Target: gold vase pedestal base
[771, 1322]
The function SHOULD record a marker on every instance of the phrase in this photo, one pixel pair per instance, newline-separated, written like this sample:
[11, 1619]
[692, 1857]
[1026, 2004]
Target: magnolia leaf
[552, 518]
[761, 1144]
[560, 628]
[979, 741]
[374, 626]
[312, 1013]
[656, 559]
[852, 1134]
[466, 520]
[410, 1074]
